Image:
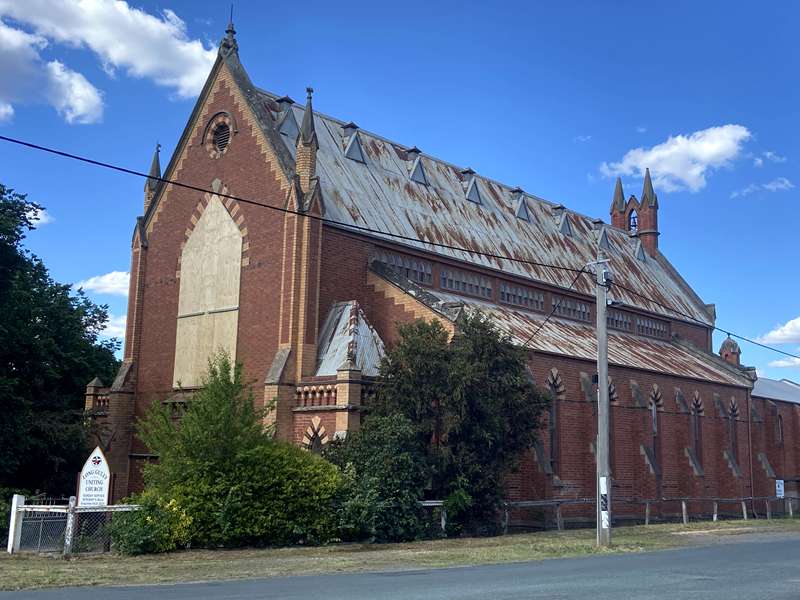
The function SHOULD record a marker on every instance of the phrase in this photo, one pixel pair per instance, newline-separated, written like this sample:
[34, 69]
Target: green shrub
[279, 494]
[160, 525]
[238, 486]
[384, 480]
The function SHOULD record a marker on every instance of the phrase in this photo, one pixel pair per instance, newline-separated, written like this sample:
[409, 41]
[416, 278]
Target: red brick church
[308, 305]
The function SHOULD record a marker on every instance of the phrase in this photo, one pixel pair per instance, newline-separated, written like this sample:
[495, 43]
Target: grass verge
[32, 571]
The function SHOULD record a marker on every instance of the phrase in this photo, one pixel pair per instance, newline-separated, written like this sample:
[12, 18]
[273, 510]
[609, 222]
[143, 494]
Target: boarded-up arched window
[208, 304]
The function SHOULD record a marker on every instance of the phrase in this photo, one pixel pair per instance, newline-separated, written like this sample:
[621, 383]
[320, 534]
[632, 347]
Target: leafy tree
[385, 476]
[219, 423]
[49, 350]
[473, 406]
[221, 467]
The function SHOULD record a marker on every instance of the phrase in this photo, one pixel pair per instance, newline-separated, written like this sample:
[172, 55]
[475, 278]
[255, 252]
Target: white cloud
[25, 77]
[114, 283]
[115, 328]
[41, 217]
[788, 333]
[6, 111]
[122, 37]
[77, 100]
[772, 157]
[641, 129]
[758, 162]
[785, 363]
[683, 161]
[776, 185]
[582, 138]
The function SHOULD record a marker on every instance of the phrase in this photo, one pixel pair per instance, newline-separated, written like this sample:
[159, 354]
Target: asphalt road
[760, 568]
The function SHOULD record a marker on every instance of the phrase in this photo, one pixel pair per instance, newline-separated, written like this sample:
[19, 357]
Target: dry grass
[31, 571]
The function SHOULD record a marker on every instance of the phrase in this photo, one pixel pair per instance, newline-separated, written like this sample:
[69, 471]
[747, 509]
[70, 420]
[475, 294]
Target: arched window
[697, 427]
[733, 414]
[208, 295]
[633, 221]
[656, 402]
[557, 392]
[779, 430]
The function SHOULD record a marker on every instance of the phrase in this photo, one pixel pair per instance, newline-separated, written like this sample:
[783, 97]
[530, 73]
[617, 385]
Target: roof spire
[308, 135]
[229, 43]
[649, 197]
[155, 170]
[618, 203]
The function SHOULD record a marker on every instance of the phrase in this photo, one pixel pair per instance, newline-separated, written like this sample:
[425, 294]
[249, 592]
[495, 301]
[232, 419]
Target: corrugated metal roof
[573, 339]
[773, 389]
[380, 194]
[346, 333]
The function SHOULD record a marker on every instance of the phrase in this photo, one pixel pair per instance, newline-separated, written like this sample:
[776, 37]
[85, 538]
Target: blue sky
[558, 98]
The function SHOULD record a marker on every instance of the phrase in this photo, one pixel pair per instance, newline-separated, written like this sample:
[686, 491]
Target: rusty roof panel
[573, 339]
[379, 194]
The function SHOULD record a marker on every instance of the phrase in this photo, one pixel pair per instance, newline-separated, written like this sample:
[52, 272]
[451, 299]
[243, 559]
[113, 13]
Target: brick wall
[246, 169]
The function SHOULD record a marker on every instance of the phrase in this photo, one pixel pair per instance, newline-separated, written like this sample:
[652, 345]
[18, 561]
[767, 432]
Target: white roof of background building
[784, 390]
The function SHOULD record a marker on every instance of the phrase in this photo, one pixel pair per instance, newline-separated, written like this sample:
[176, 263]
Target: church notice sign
[94, 482]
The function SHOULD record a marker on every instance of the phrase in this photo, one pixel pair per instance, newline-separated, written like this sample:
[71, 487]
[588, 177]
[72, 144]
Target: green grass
[31, 571]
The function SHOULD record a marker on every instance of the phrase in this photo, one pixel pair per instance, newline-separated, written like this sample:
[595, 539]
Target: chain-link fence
[63, 529]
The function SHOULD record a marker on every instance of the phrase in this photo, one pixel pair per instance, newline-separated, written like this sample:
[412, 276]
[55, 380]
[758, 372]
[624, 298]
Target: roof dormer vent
[562, 219]
[602, 241]
[639, 252]
[521, 210]
[472, 193]
[287, 125]
[353, 149]
[418, 171]
[349, 129]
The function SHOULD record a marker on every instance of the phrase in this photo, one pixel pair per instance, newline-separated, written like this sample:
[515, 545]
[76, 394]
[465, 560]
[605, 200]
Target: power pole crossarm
[603, 467]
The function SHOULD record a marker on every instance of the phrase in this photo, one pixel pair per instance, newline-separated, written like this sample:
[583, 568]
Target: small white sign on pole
[94, 483]
[779, 488]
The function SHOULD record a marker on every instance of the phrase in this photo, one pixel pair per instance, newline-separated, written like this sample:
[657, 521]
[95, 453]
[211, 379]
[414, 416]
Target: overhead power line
[720, 329]
[196, 188]
[556, 306]
[578, 271]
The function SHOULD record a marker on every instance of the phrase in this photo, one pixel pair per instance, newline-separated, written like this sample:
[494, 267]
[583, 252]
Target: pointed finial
[618, 202]
[229, 43]
[648, 194]
[155, 170]
[308, 135]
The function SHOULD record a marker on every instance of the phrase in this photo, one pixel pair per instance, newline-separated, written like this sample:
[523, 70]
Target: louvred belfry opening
[222, 136]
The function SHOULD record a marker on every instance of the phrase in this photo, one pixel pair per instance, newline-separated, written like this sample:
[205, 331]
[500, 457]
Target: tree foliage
[49, 350]
[385, 477]
[236, 484]
[473, 406]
